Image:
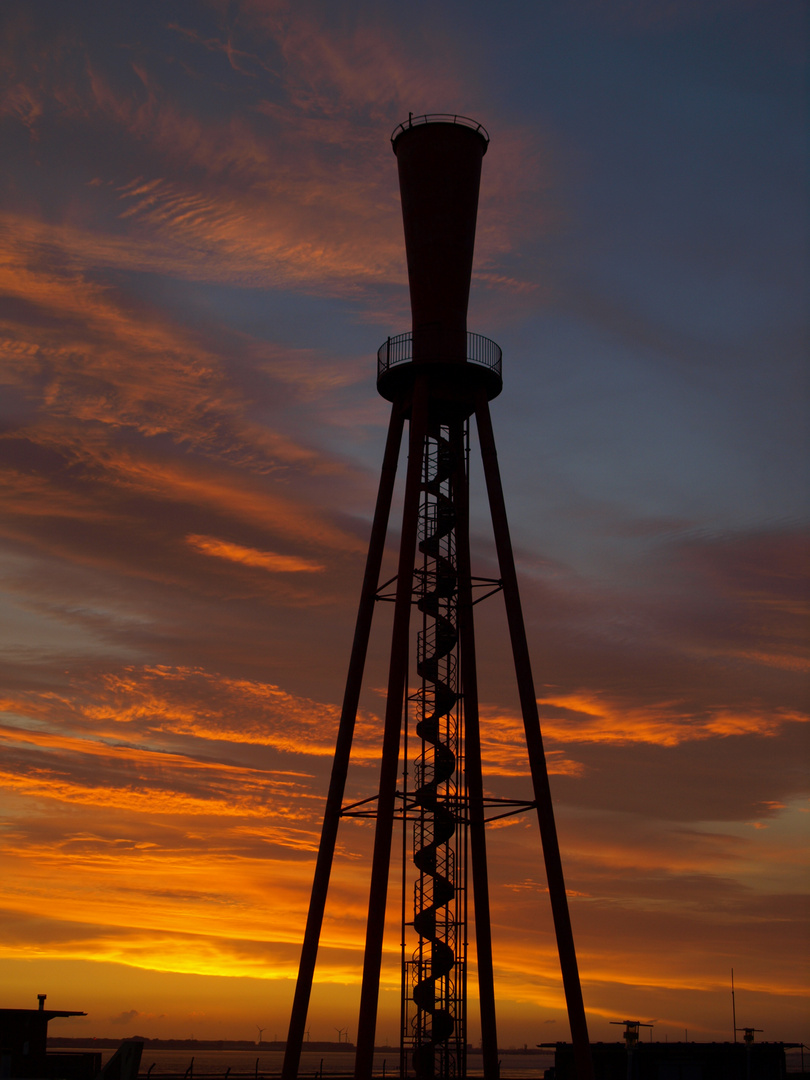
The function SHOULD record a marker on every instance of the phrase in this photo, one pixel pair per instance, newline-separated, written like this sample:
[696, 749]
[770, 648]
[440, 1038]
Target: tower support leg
[397, 685]
[340, 766]
[534, 744]
[472, 764]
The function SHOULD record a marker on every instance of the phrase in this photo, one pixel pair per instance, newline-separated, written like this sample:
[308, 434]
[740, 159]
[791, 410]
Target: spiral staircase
[433, 1028]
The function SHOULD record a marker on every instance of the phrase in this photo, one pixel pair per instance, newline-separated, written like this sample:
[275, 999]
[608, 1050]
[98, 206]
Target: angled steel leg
[472, 765]
[397, 685]
[534, 743]
[337, 783]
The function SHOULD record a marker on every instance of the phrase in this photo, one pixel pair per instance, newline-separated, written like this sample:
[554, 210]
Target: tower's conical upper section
[439, 160]
[439, 166]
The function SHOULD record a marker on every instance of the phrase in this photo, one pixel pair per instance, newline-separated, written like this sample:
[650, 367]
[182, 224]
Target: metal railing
[399, 350]
[440, 118]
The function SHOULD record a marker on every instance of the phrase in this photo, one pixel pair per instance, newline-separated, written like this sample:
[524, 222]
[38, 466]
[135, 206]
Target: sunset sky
[201, 250]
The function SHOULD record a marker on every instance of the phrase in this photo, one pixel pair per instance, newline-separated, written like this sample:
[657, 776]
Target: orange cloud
[197, 787]
[788, 660]
[24, 494]
[267, 560]
[244, 498]
[277, 514]
[503, 748]
[204, 907]
[290, 188]
[103, 361]
[582, 718]
[190, 702]
[143, 797]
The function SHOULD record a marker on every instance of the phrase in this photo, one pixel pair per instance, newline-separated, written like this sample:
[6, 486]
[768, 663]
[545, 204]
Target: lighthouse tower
[439, 378]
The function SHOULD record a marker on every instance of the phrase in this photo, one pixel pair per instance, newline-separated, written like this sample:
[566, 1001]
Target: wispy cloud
[86, 352]
[267, 560]
[114, 714]
[577, 718]
[289, 191]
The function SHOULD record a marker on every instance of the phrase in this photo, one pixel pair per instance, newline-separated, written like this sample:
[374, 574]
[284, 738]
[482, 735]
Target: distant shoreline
[89, 1042]
[189, 1044]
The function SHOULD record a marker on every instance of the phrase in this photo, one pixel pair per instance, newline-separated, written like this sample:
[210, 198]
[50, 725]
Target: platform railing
[399, 350]
[440, 118]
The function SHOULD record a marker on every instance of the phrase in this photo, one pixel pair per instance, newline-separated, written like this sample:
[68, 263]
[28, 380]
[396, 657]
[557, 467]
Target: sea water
[215, 1063]
[267, 1063]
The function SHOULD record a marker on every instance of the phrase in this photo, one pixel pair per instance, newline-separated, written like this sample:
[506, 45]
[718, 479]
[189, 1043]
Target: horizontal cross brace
[493, 584]
[518, 806]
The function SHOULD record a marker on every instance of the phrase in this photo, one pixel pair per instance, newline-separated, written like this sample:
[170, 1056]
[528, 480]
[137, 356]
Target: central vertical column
[439, 165]
[435, 1027]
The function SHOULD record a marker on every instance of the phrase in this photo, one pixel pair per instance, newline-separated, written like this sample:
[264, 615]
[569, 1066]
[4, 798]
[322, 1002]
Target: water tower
[438, 377]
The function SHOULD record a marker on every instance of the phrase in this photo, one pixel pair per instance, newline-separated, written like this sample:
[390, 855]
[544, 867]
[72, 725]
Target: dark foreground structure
[24, 1053]
[438, 378]
[24, 1040]
[675, 1061]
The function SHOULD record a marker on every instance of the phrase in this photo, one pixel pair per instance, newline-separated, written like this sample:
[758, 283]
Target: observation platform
[440, 118]
[479, 369]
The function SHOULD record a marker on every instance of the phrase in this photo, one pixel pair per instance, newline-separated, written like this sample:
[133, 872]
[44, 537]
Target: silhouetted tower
[437, 377]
